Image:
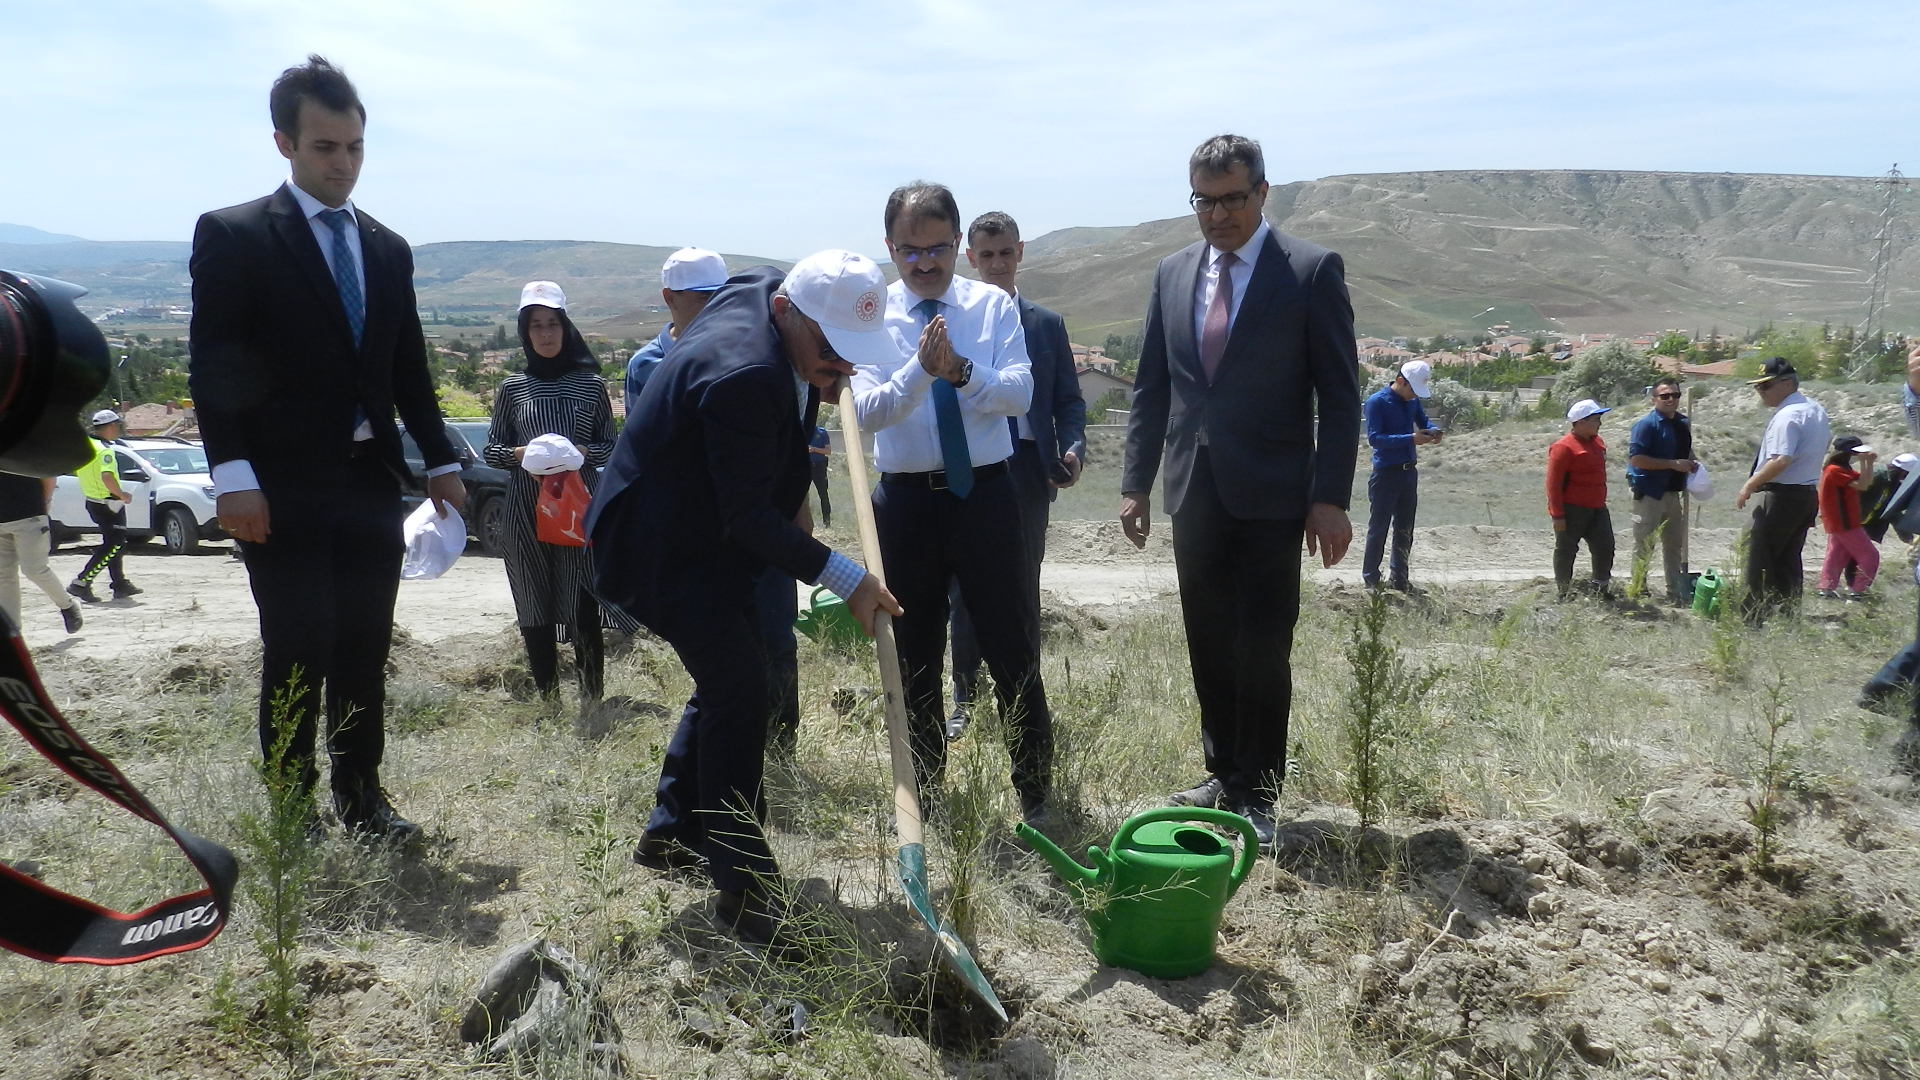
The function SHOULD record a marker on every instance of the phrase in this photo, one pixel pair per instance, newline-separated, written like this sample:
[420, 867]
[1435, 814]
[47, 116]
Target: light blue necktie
[946, 416]
[344, 277]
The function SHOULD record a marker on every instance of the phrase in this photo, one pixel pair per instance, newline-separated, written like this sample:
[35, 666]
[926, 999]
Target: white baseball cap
[1905, 462]
[693, 269]
[105, 417]
[1419, 376]
[543, 294]
[1584, 408]
[847, 295]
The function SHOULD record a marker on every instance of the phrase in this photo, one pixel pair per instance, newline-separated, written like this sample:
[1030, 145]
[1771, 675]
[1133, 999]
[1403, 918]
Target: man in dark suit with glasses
[1249, 391]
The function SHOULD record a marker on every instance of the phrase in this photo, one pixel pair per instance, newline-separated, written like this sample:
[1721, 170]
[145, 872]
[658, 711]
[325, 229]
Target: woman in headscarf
[560, 394]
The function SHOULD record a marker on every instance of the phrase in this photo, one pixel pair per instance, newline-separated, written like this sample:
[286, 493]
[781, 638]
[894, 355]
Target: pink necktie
[1213, 333]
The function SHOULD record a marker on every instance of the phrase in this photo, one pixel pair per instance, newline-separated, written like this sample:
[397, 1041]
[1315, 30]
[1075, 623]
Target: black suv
[487, 487]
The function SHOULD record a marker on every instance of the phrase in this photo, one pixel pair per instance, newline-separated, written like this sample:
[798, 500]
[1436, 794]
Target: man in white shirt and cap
[1783, 490]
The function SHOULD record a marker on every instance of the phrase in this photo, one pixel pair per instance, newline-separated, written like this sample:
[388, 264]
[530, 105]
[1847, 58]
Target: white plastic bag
[549, 454]
[1699, 484]
[433, 542]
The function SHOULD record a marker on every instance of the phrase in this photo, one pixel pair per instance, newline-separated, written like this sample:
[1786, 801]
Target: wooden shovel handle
[906, 794]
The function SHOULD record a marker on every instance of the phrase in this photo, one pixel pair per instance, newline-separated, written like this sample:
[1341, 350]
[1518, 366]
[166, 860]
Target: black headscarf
[573, 348]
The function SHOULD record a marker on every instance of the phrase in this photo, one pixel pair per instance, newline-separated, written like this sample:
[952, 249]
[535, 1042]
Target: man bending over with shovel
[701, 495]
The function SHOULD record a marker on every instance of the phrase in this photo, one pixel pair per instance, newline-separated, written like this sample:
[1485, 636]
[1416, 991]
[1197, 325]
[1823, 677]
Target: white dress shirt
[1798, 430]
[983, 326]
[1241, 274]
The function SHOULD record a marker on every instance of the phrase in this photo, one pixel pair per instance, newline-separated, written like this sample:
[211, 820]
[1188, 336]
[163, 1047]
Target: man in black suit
[305, 340]
[707, 489]
[1249, 341]
[1049, 441]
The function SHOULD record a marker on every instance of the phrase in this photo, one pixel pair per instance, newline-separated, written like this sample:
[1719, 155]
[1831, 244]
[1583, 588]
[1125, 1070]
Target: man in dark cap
[1783, 491]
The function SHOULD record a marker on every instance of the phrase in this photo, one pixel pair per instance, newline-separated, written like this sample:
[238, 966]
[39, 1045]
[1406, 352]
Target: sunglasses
[1667, 397]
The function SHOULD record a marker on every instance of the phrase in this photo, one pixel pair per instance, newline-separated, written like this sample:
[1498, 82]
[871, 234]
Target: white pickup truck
[172, 496]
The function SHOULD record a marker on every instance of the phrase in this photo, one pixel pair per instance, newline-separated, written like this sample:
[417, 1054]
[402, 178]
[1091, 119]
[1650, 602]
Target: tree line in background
[1470, 394]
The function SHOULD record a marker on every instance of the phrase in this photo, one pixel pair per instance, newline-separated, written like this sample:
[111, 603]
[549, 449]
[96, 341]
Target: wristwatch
[966, 375]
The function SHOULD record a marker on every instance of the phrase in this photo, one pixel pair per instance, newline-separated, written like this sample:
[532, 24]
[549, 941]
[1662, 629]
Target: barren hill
[1592, 249]
[1426, 252]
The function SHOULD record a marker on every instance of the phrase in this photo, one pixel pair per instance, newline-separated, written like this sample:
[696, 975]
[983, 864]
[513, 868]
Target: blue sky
[778, 128]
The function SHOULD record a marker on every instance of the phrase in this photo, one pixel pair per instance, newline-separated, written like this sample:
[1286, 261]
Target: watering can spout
[1062, 863]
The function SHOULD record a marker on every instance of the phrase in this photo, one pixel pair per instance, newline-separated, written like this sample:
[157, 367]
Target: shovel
[912, 859]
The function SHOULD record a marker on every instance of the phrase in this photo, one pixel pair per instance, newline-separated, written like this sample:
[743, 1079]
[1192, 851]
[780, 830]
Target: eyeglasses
[1763, 387]
[1204, 204]
[911, 255]
[1667, 397]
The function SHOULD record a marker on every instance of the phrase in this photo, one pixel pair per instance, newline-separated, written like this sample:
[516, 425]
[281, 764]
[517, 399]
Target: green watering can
[1706, 594]
[1155, 903]
[826, 620]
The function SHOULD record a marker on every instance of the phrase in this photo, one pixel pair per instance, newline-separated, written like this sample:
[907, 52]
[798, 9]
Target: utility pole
[1866, 345]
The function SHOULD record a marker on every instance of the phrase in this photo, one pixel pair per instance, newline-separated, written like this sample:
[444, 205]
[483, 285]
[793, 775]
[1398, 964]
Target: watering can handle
[813, 598]
[1249, 840]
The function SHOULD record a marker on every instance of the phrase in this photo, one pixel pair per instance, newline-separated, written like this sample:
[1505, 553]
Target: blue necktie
[344, 277]
[946, 416]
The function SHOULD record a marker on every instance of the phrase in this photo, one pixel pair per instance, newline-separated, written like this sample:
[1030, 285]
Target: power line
[1866, 344]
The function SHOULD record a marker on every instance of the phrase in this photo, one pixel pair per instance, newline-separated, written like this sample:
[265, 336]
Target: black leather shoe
[1035, 813]
[1263, 825]
[71, 616]
[1206, 793]
[368, 814]
[667, 856]
[957, 723]
[84, 592]
[757, 919]
[124, 589]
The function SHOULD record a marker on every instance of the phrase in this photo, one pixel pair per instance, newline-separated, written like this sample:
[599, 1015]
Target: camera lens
[52, 361]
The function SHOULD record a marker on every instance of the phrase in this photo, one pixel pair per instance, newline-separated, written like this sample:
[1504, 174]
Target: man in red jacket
[1577, 499]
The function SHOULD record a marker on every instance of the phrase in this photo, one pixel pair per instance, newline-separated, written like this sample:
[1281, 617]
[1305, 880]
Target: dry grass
[1566, 733]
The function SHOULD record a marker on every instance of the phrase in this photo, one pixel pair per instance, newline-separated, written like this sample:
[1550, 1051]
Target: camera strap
[47, 924]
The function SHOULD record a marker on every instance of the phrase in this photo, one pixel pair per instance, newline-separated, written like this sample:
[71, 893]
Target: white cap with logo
[693, 269]
[1584, 408]
[542, 294]
[847, 295]
[1419, 376]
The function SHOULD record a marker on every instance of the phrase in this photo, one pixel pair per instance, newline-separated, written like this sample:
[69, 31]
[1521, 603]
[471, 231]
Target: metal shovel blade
[913, 881]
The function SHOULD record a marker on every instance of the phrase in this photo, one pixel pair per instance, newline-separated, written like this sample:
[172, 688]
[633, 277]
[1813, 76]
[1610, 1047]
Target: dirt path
[204, 598]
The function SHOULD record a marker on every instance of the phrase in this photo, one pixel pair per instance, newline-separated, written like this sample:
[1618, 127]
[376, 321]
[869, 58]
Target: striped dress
[546, 579]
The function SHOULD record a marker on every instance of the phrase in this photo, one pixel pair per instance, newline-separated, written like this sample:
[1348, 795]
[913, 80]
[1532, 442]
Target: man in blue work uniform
[1659, 460]
[688, 279]
[1396, 423]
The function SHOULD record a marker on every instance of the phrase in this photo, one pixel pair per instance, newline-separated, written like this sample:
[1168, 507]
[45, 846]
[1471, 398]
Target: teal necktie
[946, 417]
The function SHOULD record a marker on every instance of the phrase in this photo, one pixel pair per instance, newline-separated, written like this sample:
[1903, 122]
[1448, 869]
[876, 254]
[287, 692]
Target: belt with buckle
[1405, 466]
[937, 479]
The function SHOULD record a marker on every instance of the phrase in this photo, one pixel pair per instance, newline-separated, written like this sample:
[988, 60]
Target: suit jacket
[1058, 415]
[710, 471]
[275, 377]
[1290, 360]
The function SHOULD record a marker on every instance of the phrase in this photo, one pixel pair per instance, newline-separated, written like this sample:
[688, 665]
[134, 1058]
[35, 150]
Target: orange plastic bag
[560, 514]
